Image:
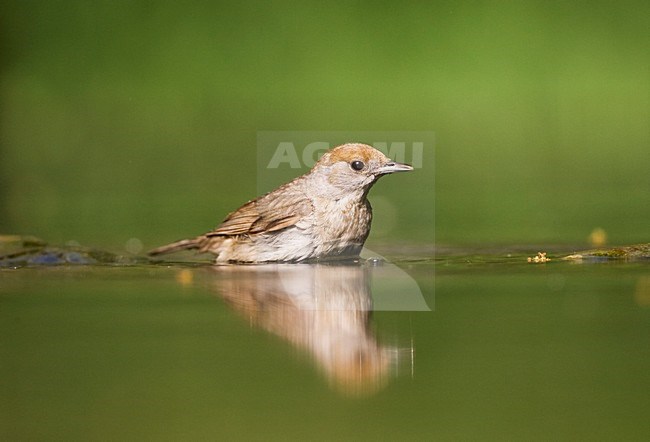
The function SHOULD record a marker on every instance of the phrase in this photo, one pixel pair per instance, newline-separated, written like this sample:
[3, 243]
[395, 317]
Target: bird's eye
[357, 165]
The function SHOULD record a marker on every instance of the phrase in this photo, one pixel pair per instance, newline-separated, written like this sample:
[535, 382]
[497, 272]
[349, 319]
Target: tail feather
[184, 244]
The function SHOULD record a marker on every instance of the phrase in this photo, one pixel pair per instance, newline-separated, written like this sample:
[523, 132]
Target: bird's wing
[269, 213]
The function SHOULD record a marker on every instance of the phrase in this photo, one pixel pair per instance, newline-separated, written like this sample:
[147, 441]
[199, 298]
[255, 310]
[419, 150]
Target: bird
[320, 215]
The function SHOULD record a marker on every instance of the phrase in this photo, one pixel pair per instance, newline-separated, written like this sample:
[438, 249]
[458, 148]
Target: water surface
[459, 346]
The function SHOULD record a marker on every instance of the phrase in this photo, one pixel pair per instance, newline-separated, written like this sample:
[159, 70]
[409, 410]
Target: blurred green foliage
[139, 118]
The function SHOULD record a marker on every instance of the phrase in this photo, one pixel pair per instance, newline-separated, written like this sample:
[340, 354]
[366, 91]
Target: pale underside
[289, 228]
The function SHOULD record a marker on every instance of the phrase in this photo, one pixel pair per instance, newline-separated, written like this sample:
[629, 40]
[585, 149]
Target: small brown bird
[324, 213]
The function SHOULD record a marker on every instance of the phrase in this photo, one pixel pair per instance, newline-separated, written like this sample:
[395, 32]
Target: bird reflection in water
[322, 308]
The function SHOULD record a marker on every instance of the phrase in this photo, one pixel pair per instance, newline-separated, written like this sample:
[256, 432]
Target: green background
[138, 119]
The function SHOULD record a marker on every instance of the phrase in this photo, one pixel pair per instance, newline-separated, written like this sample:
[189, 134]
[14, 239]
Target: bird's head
[351, 168]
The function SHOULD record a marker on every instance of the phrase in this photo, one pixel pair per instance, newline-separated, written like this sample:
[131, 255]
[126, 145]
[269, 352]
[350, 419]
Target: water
[463, 346]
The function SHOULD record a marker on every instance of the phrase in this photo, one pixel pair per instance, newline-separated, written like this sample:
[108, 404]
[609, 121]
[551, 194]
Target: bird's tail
[184, 244]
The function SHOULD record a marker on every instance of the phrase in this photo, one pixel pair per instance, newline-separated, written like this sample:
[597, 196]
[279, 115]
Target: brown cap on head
[351, 152]
[363, 155]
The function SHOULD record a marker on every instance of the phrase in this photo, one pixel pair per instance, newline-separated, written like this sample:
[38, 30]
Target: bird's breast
[343, 221]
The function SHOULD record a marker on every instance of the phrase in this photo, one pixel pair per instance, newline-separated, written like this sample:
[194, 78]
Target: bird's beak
[394, 167]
